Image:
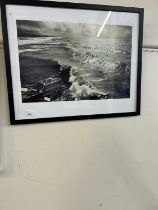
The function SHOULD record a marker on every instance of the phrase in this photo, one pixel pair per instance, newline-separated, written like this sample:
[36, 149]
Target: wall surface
[85, 165]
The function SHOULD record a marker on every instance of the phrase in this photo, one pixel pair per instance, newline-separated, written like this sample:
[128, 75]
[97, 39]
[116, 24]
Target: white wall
[85, 165]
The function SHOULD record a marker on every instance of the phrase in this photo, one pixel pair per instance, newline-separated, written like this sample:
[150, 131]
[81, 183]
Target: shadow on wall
[4, 119]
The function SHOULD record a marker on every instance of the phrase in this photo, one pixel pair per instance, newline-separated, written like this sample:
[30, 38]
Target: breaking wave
[80, 89]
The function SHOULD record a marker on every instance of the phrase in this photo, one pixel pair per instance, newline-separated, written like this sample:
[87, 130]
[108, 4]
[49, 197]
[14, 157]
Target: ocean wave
[98, 80]
[79, 88]
[37, 40]
[102, 55]
[50, 81]
[28, 50]
[91, 57]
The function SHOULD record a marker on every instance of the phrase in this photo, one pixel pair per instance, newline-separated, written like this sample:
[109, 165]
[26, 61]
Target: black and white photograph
[73, 61]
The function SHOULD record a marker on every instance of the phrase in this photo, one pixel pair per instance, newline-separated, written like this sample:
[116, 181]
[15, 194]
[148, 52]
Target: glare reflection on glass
[102, 27]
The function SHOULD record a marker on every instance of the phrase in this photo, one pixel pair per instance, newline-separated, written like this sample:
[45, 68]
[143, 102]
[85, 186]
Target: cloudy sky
[27, 28]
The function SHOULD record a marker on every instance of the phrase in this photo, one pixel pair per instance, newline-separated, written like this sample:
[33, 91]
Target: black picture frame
[11, 71]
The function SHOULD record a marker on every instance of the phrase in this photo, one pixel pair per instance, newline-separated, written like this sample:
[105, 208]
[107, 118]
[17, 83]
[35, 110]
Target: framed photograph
[68, 61]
